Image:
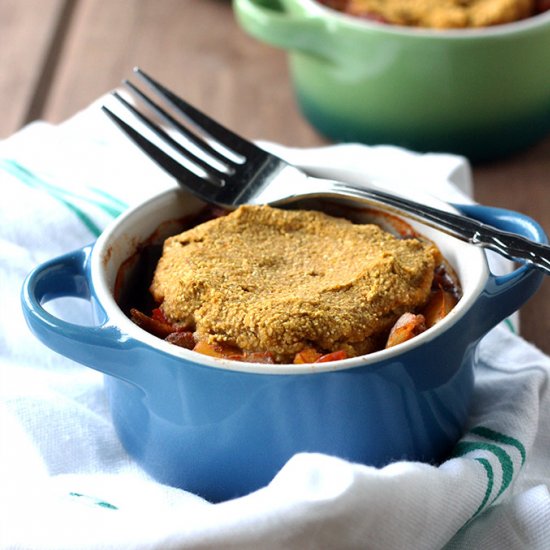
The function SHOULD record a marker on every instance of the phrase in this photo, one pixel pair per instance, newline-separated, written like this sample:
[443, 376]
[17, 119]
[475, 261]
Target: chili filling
[325, 279]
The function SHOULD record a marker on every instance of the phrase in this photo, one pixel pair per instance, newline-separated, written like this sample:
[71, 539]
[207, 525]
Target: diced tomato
[158, 315]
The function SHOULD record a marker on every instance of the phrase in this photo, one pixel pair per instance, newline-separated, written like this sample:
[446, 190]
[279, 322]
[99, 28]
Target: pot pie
[264, 284]
[441, 14]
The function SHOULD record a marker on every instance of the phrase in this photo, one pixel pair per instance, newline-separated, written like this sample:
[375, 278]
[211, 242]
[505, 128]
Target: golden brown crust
[443, 14]
[265, 279]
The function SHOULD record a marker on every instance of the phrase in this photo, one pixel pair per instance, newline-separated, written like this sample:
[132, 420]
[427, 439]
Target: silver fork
[223, 168]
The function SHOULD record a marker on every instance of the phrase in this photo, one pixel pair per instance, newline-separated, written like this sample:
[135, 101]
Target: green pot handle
[281, 23]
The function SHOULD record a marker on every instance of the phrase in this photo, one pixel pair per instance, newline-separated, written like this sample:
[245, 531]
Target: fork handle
[507, 243]
[532, 250]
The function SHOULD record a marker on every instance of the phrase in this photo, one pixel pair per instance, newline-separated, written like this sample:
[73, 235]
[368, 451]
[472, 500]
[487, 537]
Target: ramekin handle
[505, 294]
[269, 21]
[97, 346]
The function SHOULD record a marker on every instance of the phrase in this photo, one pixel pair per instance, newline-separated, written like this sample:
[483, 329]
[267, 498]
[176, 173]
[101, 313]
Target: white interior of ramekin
[523, 25]
[120, 241]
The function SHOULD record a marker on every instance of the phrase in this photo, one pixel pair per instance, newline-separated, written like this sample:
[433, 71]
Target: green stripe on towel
[490, 482]
[465, 447]
[105, 202]
[487, 433]
[95, 501]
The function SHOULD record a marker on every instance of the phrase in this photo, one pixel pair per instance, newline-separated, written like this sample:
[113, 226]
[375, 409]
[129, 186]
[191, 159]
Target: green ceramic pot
[483, 93]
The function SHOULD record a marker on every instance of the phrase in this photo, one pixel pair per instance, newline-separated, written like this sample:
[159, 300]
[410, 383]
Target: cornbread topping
[262, 279]
[442, 14]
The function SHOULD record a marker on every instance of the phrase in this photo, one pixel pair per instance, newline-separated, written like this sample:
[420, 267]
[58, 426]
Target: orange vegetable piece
[307, 355]
[206, 348]
[439, 305]
[406, 327]
[218, 350]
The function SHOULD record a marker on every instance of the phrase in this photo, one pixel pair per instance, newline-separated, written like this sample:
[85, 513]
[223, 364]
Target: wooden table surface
[57, 56]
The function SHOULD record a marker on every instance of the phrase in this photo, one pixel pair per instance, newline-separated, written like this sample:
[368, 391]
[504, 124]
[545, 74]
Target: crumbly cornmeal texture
[271, 280]
[444, 14]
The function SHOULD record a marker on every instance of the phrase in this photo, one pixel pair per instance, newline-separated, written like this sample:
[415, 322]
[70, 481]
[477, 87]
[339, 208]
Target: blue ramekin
[223, 428]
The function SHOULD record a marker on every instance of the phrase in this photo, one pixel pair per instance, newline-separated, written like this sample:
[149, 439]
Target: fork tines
[208, 157]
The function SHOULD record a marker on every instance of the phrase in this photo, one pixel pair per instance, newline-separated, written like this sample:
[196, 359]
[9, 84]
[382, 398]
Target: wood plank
[30, 31]
[196, 48]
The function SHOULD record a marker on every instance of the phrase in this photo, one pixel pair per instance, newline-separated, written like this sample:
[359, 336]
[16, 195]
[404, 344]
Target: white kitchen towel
[65, 480]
